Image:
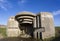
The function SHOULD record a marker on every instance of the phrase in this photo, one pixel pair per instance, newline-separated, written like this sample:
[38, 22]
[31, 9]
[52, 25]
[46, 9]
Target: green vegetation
[3, 32]
[57, 31]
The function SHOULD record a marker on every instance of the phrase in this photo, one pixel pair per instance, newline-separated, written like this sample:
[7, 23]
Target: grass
[3, 32]
[57, 31]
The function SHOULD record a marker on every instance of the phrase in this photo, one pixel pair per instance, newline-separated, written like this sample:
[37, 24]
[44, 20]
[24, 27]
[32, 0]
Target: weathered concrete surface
[48, 23]
[13, 28]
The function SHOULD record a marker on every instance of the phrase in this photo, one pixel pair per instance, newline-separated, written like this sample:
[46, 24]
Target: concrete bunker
[26, 24]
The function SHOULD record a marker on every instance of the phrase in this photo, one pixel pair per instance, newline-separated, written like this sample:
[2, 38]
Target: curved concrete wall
[25, 17]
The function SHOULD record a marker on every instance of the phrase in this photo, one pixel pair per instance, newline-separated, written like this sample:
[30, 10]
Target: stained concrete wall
[48, 23]
[13, 28]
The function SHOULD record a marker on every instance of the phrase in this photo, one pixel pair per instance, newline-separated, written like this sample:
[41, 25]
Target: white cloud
[1, 0]
[22, 2]
[3, 7]
[5, 4]
[56, 12]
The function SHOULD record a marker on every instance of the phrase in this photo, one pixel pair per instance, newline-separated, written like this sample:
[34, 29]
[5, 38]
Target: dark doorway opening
[28, 28]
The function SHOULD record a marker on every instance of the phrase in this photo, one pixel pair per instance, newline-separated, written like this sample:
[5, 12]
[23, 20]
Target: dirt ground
[18, 39]
[1, 36]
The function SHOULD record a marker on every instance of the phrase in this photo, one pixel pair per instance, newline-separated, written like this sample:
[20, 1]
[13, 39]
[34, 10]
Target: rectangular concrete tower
[47, 22]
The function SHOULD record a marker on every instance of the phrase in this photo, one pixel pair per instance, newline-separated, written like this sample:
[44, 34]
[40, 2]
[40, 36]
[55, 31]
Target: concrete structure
[26, 24]
[12, 27]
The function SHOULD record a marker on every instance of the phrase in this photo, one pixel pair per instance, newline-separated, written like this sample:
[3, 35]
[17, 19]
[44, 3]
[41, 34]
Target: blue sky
[12, 7]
